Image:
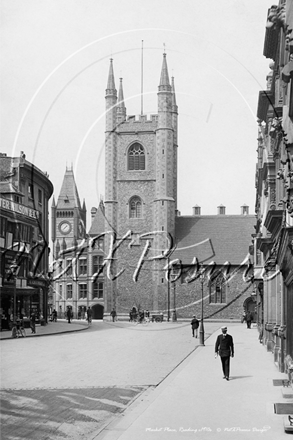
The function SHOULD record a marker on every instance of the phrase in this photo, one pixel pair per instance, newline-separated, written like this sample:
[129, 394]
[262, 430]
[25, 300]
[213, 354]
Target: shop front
[22, 297]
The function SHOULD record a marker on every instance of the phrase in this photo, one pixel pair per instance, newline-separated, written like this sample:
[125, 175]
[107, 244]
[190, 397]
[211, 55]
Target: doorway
[98, 311]
[250, 306]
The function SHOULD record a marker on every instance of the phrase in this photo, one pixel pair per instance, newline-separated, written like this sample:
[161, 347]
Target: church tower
[140, 192]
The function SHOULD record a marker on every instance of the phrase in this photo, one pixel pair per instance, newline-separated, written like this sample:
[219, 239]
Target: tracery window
[136, 157]
[135, 210]
[218, 288]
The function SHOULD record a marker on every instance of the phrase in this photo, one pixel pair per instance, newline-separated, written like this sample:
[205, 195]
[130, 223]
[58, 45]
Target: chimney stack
[244, 209]
[196, 210]
[221, 210]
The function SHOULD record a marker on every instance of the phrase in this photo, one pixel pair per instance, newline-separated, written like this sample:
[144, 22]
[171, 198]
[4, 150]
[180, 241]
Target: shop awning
[9, 290]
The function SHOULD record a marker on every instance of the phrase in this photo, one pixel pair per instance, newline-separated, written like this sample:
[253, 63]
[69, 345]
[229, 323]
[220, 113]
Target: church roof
[218, 238]
[98, 223]
[68, 197]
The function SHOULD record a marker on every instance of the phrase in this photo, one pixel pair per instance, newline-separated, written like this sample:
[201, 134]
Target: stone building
[140, 252]
[24, 236]
[152, 243]
[274, 191]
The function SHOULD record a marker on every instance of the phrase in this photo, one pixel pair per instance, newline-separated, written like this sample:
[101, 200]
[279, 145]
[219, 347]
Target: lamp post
[201, 328]
[168, 300]
[13, 271]
[174, 302]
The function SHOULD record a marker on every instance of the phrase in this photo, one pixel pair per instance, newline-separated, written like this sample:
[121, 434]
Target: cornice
[265, 244]
[273, 221]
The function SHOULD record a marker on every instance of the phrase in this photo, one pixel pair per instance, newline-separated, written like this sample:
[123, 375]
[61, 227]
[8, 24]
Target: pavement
[194, 401]
[52, 328]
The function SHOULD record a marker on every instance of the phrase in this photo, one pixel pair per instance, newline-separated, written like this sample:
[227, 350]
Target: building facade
[274, 191]
[140, 252]
[24, 237]
[148, 243]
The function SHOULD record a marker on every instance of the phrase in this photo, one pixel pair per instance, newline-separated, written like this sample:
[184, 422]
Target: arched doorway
[249, 305]
[98, 311]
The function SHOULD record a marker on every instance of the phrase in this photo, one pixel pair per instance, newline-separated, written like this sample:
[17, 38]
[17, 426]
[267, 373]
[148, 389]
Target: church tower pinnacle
[165, 194]
[121, 109]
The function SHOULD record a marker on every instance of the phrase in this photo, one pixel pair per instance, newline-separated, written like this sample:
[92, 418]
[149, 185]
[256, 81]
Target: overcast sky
[55, 63]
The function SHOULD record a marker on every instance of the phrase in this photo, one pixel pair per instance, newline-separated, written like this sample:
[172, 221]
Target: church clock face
[65, 227]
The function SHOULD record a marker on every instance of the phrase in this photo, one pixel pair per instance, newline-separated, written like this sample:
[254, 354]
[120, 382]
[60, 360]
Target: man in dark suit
[225, 348]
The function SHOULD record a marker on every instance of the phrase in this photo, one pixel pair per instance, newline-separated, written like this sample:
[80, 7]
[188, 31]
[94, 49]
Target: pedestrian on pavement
[113, 314]
[225, 348]
[54, 315]
[243, 318]
[248, 319]
[33, 323]
[89, 315]
[68, 315]
[194, 326]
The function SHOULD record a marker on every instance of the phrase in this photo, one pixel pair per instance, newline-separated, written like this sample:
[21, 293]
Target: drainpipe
[282, 329]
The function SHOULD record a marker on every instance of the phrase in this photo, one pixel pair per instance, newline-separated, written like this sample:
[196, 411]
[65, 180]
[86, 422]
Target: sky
[54, 71]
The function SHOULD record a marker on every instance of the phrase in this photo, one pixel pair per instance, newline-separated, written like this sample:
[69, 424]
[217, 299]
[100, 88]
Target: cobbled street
[70, 386]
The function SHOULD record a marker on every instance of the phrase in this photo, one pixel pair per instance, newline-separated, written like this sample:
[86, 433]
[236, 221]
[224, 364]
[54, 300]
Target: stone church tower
[140, 195]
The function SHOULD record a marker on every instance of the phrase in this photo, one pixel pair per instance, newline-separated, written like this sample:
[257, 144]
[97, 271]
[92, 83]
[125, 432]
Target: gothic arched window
[135, 207]
[218, 289]
[136, 157]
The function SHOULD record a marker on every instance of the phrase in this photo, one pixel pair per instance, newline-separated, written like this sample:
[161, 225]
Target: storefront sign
[19, 209]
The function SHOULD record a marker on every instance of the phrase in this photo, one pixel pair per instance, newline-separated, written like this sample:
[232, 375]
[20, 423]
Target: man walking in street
[89, 316]
[68, 315]
[113, 314]
[225, 348]
[248, 319]
[194, 326]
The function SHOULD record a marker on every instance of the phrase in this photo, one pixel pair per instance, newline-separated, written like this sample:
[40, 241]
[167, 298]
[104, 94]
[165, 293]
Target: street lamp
[201, 327]
[13, 271]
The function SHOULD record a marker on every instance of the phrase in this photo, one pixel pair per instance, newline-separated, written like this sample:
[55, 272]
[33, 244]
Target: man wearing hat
[225, 348]
[194, 326]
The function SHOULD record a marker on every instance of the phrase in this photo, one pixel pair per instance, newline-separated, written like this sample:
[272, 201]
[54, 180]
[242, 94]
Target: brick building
[24, 238]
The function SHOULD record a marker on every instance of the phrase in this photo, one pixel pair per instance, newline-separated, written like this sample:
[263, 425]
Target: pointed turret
[164, 81]
[175, 140]
[121, 109]
[111, 149]
[164, 203]
[68, 197]
[111, 89]
[174, 104]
